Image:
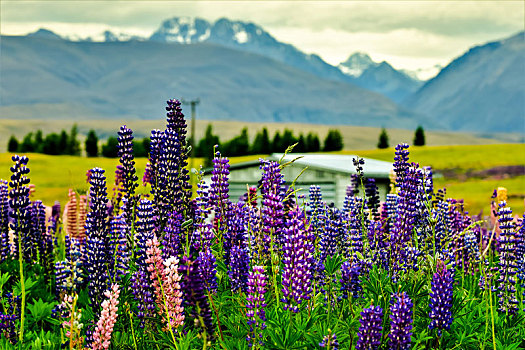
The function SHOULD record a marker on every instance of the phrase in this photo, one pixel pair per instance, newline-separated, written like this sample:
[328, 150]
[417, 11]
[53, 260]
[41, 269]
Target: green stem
[23, 289]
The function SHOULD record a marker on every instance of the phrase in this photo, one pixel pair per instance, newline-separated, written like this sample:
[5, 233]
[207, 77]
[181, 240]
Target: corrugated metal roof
[342, 163]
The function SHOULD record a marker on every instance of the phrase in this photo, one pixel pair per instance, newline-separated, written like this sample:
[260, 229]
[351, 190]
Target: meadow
[178, 264]
[54, 175]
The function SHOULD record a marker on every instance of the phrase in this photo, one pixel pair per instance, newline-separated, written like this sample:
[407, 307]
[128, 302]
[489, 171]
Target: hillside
[481, 90]
[49, 79]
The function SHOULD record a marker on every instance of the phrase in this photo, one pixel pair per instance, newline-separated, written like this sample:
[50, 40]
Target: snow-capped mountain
[379, 76]
[356, 64]
[245, 36]
[482, 90]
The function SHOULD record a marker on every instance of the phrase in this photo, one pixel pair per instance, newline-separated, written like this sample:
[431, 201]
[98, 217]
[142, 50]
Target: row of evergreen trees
[262, 144]
[53, 143]
[64, 143]
[419, 138]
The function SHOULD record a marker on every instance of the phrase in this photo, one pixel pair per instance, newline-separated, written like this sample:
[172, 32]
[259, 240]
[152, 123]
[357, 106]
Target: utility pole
[193, 104]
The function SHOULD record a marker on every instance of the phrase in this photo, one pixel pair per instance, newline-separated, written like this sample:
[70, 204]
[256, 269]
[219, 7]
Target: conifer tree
[383, 139]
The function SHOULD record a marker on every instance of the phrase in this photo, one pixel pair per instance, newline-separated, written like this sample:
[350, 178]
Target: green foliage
[109, 149]
[52, 144]
[312, 143]
[261, 144]
[27, 144]
[333, 141]
[383, 139]
[237, 146]
[73, 145]
[12, 144]
[205, 146]
[91, 144]
[419, 136]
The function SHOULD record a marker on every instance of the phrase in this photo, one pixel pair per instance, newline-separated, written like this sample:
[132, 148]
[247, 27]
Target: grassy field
[54, 175]
[354, 137]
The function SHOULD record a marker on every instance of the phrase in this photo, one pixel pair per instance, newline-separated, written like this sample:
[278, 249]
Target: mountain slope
[44, 78]
[245, 36]
[379, 77]
[482, 90]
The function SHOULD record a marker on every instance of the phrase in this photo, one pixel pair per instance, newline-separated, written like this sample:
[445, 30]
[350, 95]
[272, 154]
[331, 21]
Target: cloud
[409, 34]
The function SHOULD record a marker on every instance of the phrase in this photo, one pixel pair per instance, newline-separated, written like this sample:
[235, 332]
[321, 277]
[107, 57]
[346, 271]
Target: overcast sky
[408, 34]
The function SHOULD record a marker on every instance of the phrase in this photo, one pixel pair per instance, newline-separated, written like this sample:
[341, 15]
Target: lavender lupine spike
[173, 239]
[219, 187]
[330, 341]
[520, 252]
[4, 220]
[272, 205]
[401, 162]
[401, 322]
[441, 298]
[372, 197]
[350, 283]
[118, 247]
[508, 302]
[196, 301]
[167, 188]
[129, 177]
[96, 265]
[142, 288]
[369, 336]
[330, 241]
[208, 270]
[176, 122]
[19, 202]
[297, 257]
[355, 228]
[97, 218]
[238, 270]
[255, 303]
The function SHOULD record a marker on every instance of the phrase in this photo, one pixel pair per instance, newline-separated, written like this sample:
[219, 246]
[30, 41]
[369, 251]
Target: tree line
[240, 145]
[53, 143]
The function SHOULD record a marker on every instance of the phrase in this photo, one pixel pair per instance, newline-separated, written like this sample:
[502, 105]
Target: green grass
[54, 175]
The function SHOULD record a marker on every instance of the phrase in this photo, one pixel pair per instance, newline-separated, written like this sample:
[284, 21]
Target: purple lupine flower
[37, 230]
[353, 189]
[19, 203]
[97, 218]
[129, 177]
[317, 212]
[330, 242]
[238, 269]
[195, 298]
[255, 303]
[372, 197]
[369, 336]
[167, 187]
[358, 163]
[297, 256]
[208, 270]
[272, 210]
[350, 282]
[330, 341]
[143, 291]
[401, 162]
[202, 235]
[118, 247]
[172, 239]
[441, 298]
[520, 252]
[507, 261]
[4, 220]
[355, 228]
[401, 321]
[175, 121]
[11, 316]
[219, 187]
[96, 265]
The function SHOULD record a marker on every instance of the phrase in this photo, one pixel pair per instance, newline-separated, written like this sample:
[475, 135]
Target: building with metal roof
[330, 171]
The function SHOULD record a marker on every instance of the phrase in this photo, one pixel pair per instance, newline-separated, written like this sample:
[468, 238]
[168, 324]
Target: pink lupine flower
[165, 279]
[108, 317]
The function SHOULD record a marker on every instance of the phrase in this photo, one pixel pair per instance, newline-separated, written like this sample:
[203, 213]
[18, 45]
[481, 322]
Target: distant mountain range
[482, 90]
[241, 72]
[380, 77]
[49, 78]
